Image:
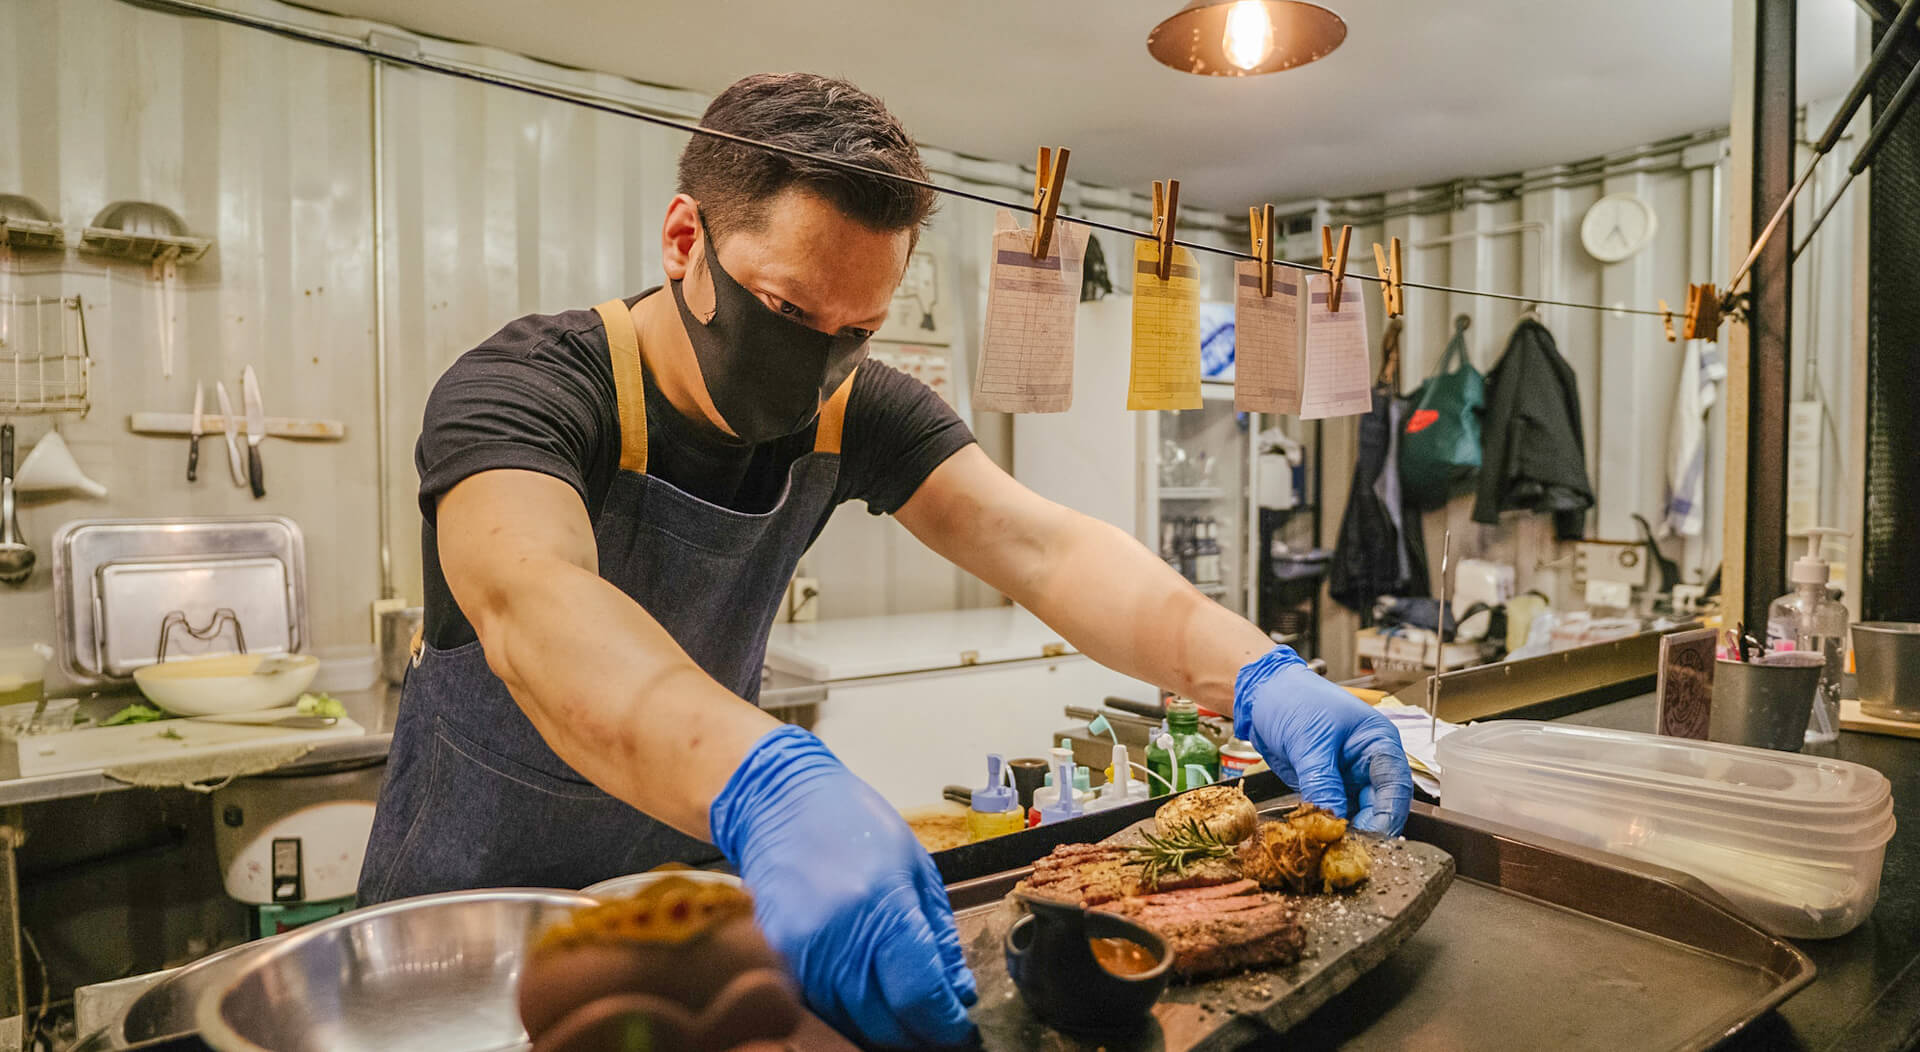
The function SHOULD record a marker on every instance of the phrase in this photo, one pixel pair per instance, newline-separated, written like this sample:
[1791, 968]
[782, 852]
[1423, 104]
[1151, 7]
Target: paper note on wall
[1026, 352]
[1165, 373]
[1266, 342]
[1335, 380]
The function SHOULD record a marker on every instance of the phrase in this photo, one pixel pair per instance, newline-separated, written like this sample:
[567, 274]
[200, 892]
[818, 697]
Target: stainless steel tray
[1542, 944]
[83, 548]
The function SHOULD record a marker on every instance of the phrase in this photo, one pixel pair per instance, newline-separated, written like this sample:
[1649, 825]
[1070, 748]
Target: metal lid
[117, 580]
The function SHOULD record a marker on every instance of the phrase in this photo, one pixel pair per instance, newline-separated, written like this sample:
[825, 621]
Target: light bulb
[1249, 37]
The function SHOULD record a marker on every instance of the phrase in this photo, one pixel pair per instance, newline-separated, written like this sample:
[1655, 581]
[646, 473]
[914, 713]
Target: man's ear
[680, 237]
[683, 252]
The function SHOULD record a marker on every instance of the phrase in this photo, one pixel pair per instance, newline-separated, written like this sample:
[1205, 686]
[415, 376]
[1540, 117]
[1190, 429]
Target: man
[614, 501]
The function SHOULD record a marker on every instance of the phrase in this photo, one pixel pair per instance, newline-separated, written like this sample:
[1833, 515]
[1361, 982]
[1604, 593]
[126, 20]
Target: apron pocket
[487, 820]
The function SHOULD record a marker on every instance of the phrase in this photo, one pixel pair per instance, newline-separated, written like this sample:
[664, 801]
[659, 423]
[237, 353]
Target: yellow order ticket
[1166, 331]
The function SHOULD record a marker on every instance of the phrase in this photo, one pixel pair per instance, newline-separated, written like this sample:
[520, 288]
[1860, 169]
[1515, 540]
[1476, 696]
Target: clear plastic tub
[1796, 841]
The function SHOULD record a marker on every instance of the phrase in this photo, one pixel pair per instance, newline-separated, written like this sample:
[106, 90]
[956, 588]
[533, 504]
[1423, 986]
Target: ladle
[16, 557]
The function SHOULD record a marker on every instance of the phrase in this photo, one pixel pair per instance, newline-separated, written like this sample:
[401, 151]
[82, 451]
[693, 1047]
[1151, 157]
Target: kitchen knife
[227, 423]
[256, 430]
[199, 428]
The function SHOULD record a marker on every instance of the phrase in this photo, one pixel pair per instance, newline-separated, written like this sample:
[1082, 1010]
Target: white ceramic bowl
[216, 686]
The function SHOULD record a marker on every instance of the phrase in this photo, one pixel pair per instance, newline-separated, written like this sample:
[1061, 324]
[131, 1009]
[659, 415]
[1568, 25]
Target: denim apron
[473, 797]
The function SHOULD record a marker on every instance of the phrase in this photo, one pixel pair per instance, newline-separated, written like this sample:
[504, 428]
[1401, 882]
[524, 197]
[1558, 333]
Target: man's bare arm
[605, 685]
[1114, 600]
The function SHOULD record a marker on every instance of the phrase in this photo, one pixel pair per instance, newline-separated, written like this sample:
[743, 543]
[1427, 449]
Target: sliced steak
[1214, 920]
[1090, 874]
[1221, 934]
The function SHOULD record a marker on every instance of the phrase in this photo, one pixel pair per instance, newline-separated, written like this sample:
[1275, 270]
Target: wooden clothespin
[1388, 263]
[1703, 313]
[1666, 320]
[1166, 210]
[1335, 260]
[1048, 178]
[1261, 222]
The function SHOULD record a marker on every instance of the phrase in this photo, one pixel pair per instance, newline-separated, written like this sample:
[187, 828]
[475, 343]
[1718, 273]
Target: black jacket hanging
[1535, 453]
[1374, 556]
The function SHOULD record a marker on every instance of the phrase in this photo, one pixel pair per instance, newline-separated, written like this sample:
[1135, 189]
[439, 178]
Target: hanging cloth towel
[1535, 454]
[1702, 367]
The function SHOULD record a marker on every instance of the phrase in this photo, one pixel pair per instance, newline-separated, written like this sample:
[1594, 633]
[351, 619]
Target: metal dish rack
[45, 362]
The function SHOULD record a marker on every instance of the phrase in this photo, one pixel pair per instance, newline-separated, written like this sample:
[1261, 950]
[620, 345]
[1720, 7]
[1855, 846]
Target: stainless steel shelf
[1191, 493]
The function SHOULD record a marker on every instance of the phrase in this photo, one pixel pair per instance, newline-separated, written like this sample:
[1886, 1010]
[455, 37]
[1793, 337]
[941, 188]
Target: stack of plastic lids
[1795, 841]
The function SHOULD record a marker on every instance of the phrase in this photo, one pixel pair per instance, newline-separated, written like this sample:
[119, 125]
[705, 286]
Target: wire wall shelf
[44, 359]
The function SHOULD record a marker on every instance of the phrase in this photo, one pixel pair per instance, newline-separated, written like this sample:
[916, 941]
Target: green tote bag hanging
[1440, 439]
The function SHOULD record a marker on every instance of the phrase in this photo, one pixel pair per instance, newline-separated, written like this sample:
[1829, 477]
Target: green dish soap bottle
[1170, 754]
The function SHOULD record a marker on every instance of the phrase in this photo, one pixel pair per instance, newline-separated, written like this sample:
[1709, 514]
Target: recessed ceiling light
[1239, 38]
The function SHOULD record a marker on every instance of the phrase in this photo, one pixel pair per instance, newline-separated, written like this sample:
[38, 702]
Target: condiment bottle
[1181, 745]
[1120, 789]
[1066, 803]
[1808, 619]
[1239, 757]
[996, 808]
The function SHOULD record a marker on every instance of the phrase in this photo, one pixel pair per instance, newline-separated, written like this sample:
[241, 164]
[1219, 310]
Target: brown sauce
[1123, 957]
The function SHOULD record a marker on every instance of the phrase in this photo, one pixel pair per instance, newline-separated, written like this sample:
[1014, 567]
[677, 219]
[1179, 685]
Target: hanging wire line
[560, 94]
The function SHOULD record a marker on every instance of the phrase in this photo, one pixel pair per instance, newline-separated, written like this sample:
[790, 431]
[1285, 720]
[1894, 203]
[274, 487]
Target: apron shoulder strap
[629, 386]
[833, 417]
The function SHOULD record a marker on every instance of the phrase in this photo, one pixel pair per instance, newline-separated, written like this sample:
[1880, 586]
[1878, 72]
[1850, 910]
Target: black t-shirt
[539, 396]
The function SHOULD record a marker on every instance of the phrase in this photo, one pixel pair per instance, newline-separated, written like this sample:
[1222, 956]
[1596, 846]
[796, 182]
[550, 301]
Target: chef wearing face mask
[614, 500]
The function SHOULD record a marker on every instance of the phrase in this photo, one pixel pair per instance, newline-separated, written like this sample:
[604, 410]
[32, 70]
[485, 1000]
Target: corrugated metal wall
[262, 145]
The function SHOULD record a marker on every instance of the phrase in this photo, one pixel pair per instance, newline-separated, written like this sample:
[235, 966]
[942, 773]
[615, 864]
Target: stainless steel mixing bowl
[433, 973]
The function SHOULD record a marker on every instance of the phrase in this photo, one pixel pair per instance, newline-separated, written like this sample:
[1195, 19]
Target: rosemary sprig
[1176, 852]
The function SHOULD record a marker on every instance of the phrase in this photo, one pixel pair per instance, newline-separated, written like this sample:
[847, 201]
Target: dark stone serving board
[1347, 934]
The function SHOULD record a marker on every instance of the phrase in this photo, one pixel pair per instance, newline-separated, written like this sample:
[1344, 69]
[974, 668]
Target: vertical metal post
[1770, 314]
[383, 471]
[13, 992]
[1889, 584]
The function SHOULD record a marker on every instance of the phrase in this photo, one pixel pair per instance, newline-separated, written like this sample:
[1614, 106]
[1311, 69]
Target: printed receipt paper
[1026, 356]
[1166, 331]
[1337, 380]
[1266, 342]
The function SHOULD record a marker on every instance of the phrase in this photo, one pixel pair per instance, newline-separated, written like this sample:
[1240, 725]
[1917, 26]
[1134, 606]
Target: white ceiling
[1422, 91]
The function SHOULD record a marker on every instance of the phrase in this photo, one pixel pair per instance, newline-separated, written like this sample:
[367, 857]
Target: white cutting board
[93, 748]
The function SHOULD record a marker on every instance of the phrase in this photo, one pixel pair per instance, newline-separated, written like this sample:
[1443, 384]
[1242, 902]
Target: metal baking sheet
[131, 601]
[1542, 944]
[82, 547]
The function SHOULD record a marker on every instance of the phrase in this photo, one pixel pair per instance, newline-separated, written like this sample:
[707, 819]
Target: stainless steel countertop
[373, 709]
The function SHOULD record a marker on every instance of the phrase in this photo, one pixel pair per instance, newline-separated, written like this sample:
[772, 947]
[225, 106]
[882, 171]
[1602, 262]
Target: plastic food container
[1796, 841]
[347, 669]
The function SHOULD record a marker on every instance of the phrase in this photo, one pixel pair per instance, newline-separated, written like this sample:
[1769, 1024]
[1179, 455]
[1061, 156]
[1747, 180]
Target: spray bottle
[1807, 619]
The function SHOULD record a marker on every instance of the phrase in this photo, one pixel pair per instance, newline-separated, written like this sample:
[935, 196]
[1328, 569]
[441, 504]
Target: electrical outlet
[803, 599]
[381, 606]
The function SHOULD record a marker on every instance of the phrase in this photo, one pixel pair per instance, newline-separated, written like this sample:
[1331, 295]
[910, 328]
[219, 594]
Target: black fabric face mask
[768, 374]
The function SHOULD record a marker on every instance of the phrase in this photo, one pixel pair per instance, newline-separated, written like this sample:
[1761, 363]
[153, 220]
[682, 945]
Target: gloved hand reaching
[843, 891]
[1323, 741]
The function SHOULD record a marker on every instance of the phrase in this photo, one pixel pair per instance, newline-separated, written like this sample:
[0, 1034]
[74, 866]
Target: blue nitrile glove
[845, 893]
[1323, 741]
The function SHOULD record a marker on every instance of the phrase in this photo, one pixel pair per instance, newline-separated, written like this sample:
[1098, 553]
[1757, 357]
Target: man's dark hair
[820, 116]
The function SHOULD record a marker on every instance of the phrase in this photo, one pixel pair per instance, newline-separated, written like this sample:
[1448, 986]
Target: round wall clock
[1617, 226]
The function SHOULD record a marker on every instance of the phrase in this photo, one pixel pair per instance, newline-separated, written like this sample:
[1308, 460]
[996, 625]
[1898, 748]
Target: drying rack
[45, 362]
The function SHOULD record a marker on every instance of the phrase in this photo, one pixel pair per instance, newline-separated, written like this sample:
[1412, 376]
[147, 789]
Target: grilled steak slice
[1214, 920]
[1215, 933]
[1090, 874]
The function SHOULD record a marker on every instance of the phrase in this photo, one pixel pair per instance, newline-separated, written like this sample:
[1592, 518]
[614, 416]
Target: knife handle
[193, 458]
[256, 474]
